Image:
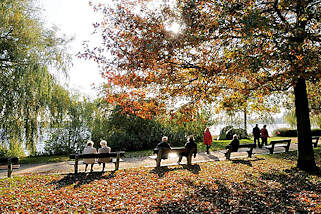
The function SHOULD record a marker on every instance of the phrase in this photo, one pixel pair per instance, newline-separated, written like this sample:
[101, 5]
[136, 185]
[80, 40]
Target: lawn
[264, 184]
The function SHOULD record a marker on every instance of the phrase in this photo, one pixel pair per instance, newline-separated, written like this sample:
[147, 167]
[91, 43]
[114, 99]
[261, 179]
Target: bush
[224, 132]
[228, 132]
[241, 133]
[316, 132]
[286, 132]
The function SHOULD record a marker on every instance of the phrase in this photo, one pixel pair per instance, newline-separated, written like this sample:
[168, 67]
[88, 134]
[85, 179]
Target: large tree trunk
[306, 160]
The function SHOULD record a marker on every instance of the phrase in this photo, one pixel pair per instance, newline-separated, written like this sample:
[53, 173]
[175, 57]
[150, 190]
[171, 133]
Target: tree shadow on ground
[273, 192]
[161, 171]
[246, 162]
[80, 179]
[213, 157]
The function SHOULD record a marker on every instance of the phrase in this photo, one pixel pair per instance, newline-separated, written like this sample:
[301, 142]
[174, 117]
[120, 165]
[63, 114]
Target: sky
[74, 18]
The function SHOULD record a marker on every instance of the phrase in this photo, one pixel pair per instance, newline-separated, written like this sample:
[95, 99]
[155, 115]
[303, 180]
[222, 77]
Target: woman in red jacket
[207, 139]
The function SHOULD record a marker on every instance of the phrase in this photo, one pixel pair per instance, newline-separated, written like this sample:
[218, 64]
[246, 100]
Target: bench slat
[97, 155]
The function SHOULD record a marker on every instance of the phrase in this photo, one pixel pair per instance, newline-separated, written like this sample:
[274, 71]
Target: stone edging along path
[66, 167]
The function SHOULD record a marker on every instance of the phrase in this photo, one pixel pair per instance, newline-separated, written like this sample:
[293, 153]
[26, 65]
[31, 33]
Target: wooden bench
[278, 143]
[315, 140]
[115, 158]
[242, 148]
[9, 164]
[163, 153]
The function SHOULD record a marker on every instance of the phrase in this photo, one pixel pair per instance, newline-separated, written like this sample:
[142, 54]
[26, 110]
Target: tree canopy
[251, 47]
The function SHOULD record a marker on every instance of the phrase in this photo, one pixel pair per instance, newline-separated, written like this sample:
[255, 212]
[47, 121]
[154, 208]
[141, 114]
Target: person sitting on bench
[232, 147]
[104, 149]
[89, 150]
[189, 146]
[164, 145]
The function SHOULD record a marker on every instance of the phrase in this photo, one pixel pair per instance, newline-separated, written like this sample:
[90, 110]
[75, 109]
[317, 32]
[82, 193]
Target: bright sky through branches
[74, 18]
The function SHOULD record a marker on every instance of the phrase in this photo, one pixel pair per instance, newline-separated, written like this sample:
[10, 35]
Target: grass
[263, 184]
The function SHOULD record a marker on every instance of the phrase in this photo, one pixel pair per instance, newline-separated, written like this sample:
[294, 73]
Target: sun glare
[174, 28]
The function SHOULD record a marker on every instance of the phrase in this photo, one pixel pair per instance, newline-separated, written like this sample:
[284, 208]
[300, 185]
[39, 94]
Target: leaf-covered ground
[264, 184]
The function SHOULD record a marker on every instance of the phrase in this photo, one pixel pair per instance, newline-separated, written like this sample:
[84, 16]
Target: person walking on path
[89, 150]
[264, 136]
[104, 149]
[256, 134]
[207, 139]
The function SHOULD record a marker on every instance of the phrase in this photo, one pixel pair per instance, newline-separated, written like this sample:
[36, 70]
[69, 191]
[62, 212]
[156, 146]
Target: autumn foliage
[251, 48]
[266, 184]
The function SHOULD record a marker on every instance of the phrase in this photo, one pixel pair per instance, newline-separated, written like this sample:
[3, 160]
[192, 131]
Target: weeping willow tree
[27, 49]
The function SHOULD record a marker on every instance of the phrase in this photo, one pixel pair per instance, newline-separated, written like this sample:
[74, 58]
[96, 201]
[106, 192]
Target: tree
[254, 47]
[27, 50]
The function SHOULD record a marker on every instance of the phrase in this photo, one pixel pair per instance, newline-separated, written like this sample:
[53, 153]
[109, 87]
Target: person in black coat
[256, 134]
[232, 147]
[189, 146]
[163, 145]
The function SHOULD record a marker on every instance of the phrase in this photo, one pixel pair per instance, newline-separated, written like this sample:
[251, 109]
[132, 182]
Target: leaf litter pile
[264, 184]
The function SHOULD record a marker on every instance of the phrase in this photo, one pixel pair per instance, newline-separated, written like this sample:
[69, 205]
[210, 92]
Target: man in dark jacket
[163, 145]
[256, 134]
[232, 147]
[189, 146]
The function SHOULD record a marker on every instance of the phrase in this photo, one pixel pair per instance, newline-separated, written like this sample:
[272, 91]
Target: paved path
[67, 167]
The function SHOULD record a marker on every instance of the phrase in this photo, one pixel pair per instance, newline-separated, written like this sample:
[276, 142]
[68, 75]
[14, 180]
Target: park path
[67, 167]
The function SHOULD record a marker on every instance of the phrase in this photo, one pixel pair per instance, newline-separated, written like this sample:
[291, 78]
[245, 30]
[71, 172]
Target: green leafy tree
[26, 51]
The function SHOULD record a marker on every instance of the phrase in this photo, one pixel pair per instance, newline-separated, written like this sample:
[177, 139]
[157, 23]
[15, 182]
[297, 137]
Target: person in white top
[89, 150]
[104, 149]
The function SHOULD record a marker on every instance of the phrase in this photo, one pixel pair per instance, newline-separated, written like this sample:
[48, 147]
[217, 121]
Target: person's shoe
[178, 162]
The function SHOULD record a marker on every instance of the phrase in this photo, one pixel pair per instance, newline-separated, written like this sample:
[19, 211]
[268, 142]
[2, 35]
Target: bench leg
[159, 158]
[287, 148]
[76, 165]
[9, 170]
[189, 160]
[117, 162]
[250, 152]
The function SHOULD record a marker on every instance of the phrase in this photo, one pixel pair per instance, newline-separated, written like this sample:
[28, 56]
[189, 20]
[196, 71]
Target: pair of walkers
[89, 149]
[260, 133]
[189, 145]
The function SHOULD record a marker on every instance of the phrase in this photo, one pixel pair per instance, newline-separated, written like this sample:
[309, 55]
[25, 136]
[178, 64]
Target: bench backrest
[280, 141]
[5, 160]
[97, 155]
[177, 150]
[249, 145]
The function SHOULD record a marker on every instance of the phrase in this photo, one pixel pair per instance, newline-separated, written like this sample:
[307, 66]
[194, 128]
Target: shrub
[241, 133]
[228, 132]
[224, 132]
[316, 132]
[285, 132]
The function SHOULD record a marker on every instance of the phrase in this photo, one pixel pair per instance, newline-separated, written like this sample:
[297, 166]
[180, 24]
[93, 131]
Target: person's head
[264, 126]
[191, 138]
[256, 125]
[90, 143]
[235, 136]
[103, 143]
[164, 139]
[207, 129]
